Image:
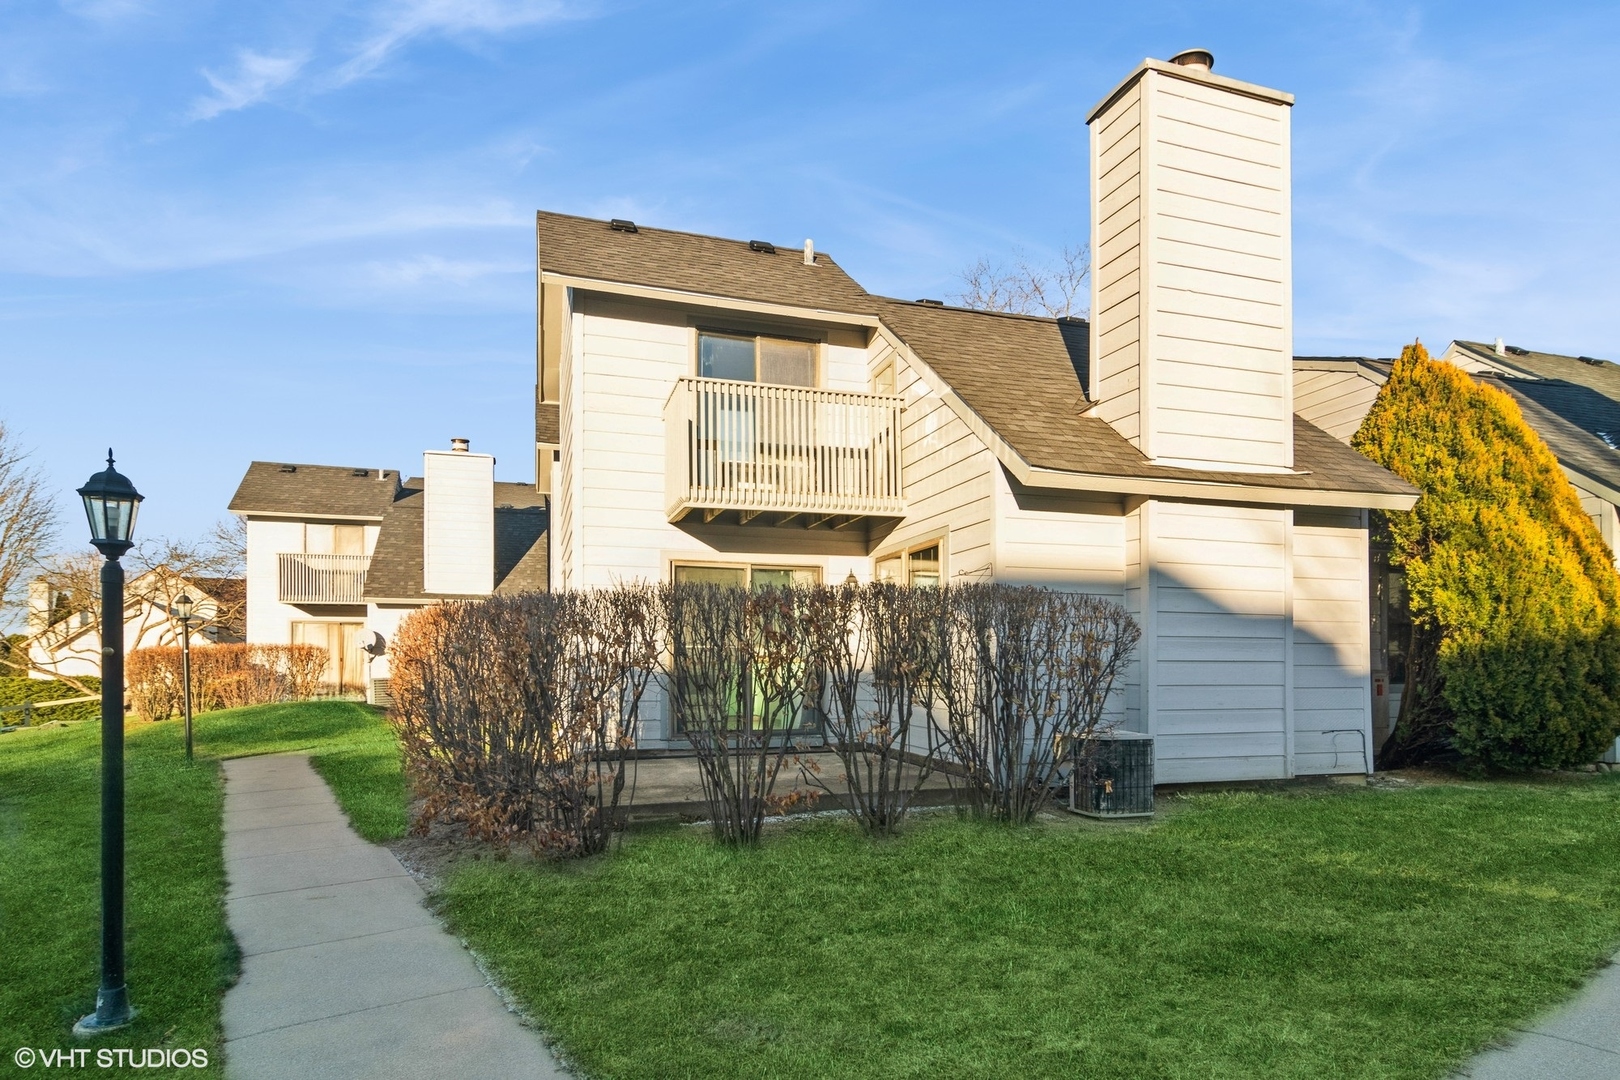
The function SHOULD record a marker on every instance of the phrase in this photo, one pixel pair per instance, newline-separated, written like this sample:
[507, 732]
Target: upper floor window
[757, 359]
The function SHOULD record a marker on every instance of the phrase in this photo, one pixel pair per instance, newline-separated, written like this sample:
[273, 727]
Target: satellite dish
[373, 643]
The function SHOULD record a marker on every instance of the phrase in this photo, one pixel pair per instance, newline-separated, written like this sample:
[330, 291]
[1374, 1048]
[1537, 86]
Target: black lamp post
[182, 609]
[110, 502]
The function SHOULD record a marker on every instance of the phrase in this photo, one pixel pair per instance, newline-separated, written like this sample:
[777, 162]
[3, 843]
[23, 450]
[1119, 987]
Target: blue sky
[303, 230]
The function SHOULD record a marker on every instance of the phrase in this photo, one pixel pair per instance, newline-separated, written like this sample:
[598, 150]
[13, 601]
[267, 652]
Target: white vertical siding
[1217, 675]
[1218, 321]
[458, 523]
[1332, 688]
[1192, 332]
[269, 621]
[947, 473]
[1335, 401]
[1116, 244]
[565, 478]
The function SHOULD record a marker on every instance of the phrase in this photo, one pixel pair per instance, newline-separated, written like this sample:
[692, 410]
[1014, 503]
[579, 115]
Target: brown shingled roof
[1024, 377]
[395, 570]
[271, 487]
[665, 259]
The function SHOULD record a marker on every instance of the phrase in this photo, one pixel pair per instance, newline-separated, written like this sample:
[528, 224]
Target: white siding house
[732, 408]
[735, 411]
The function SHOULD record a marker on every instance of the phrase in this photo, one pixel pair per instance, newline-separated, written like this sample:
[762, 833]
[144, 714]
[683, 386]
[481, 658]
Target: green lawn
[1317, 932]
[180, 956]
[1330, 933]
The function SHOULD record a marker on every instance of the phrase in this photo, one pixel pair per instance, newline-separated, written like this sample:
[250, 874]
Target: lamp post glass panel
[182, 609]
[110, 502]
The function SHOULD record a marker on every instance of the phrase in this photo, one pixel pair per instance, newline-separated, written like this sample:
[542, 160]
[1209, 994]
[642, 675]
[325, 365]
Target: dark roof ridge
[318, 465]
[673, 232]
[987, 311]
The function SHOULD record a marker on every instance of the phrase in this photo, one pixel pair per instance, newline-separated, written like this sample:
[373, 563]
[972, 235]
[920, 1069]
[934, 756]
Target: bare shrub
[153, 682]
[304, 667]
[1023, 674]
[876, 650]
[222, 676]
[519, 715]
[737, 670]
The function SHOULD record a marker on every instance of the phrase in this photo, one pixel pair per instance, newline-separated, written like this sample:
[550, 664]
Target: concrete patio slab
[344, 971]
[1580, 1041]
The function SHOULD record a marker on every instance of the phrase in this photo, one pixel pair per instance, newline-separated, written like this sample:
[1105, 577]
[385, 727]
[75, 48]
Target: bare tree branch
[1028, 288]
[27, 521]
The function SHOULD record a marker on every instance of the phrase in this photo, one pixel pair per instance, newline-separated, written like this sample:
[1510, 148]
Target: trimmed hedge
[1514, 661]
[17, 691]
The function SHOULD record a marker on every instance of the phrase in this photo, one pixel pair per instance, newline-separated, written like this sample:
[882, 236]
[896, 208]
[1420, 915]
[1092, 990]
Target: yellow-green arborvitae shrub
[1515, 655]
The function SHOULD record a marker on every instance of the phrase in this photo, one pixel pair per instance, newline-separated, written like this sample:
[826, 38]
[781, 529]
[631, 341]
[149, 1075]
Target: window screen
[757, 359]
[733, 576]
[787, 363]
[725, 357]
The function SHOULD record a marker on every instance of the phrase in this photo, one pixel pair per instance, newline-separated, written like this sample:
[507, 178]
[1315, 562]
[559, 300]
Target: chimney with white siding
[458, 521]
[1191, 286]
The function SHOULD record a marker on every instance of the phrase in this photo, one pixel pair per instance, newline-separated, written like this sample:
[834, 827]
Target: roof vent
[460, 446]
[1499, 348]
[931, 303]
[359, 472]
[762, 246]
[289, 468]
[1516, 351]
[620, 224]
[809, 252]
[1197, 59]
[1594, 361]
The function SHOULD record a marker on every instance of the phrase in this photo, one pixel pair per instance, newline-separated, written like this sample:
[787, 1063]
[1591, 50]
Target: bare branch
[1029, 288]
[27, 521]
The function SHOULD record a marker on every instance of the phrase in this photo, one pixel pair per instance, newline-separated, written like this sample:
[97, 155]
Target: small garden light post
[110, 502]
[182, 610]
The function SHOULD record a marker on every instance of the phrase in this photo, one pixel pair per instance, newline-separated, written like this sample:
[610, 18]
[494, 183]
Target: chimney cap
[1195, 58]
[461, 446]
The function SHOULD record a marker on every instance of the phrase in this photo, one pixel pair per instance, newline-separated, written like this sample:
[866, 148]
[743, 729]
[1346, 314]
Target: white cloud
[103, 11]
[421, 269]
[402, 21]
[256, 77]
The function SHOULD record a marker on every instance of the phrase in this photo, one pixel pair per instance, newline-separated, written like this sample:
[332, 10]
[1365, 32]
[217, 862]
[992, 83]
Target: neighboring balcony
[321, 579]
[781, 454]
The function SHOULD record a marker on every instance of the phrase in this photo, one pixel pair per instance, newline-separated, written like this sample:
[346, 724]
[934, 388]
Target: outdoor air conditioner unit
[380, 695]
[1111, 775]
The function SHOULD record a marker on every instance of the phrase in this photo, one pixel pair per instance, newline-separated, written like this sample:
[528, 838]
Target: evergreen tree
[1514, 661]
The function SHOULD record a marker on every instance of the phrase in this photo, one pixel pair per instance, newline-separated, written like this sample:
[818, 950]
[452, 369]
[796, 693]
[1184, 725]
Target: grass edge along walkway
[180, 956]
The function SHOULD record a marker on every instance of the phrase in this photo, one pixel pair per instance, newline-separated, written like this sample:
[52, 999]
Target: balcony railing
[321, 579]
[751, 447]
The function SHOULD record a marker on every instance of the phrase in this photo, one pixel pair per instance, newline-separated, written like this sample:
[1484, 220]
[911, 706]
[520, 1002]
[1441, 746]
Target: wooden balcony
[321, 579]
[781, 453]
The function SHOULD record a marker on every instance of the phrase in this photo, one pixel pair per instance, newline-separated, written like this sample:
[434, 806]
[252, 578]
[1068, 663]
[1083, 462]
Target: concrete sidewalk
[344, 972]
[1580, 1041]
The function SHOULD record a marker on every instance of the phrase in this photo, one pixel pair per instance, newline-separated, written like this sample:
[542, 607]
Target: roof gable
[687, 262]
[314, 491]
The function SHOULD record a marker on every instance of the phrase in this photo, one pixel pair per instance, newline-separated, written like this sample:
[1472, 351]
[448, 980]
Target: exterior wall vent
[1112, 775]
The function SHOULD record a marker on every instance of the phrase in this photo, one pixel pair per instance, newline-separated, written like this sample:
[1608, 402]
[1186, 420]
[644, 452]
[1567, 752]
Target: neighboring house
[729, 411]
[1572, 402]
[65, 638]
[338, 556]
